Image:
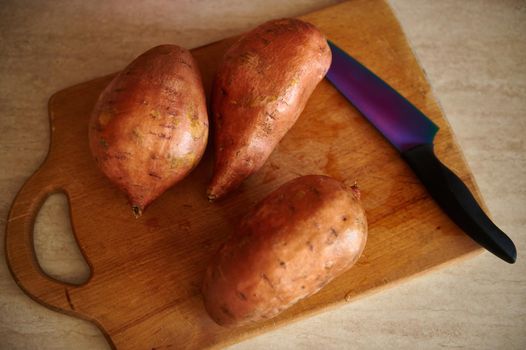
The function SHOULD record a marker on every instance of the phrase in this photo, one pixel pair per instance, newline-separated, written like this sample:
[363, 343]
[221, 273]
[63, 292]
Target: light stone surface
[474, 53]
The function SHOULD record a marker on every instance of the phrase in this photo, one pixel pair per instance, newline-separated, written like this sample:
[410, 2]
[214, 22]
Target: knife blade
[412, 133]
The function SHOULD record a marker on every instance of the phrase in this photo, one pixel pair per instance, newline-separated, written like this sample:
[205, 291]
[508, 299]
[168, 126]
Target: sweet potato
[149, 127]
[260, 89]
[288, 247]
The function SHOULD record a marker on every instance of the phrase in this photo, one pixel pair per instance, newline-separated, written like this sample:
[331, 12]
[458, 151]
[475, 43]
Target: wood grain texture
[146, 273]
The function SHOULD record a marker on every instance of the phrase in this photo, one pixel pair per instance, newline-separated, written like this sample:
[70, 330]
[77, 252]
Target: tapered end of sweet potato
[137, 211]
[211, 197]
[225, 180]
[213, 193]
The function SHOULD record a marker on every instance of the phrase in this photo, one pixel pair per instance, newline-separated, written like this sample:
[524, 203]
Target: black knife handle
[457, 201]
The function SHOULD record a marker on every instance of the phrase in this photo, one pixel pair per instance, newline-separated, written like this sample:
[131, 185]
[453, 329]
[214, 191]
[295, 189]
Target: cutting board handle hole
[56, 248]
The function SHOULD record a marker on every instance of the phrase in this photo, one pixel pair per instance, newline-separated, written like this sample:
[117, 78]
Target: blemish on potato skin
[271, 115]
[284, 101]
[267, 280]
[176, 162]
[248, 58]
[137, 136]
[267, 128]
[160, 135]
[315, 191]
[172, 98]
[311, 247]
[226, 311]
[196, 128]
[258, 101]
[219, 120]
[171, 112]
[105, 117]
[333, 235]
[154, 175]
[167, 126]
[120, 155]
[242, 296]
[155, 114]
[174, 121]
[171, 90]
[299, 195]
[103, 143]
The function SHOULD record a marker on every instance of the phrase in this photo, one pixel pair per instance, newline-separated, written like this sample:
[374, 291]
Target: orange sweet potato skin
[288, 247]
[149, 127]
[260, 89]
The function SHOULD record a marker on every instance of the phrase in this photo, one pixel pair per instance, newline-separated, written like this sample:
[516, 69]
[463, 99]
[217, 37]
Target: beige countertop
[474, 53]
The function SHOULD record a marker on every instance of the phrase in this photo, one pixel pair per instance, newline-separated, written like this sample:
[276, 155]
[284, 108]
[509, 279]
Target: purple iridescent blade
[394, 116]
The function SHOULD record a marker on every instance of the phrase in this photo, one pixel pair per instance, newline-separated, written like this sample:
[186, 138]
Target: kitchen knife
[412, 133]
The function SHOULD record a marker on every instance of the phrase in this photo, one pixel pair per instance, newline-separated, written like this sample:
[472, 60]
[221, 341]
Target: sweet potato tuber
[288, 247]
[149, 127]
[260, 89]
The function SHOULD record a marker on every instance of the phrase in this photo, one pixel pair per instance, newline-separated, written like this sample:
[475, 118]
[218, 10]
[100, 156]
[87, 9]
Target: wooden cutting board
[143, 292]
